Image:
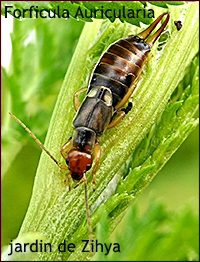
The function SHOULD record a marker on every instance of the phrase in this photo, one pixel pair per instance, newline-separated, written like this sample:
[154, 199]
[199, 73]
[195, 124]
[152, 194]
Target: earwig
[111, 83]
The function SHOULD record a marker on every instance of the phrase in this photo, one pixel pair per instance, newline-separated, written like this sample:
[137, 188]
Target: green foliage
[38, 53]
[157, 234]
[163, 4]
[165, 135]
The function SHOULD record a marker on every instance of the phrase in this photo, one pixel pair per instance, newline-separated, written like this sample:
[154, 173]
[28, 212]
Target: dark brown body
[116, 70]
[111, 83]
[119, 66]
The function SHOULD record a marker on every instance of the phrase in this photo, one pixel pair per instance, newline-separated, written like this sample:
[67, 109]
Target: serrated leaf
[103, 232]
[157, 234]
[165, 3]
[165, 135]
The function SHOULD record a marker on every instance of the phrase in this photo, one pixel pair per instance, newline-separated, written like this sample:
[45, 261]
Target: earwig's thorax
[84, 139]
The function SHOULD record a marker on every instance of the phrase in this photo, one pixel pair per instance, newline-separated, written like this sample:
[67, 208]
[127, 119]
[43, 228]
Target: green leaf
[164, 4]
[157, 234]
[102, 232]
[164, 136]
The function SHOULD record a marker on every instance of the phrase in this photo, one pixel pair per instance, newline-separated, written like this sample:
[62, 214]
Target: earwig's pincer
[144, 34]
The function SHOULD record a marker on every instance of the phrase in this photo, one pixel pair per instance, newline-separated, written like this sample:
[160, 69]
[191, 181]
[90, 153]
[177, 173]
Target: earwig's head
[78, 163]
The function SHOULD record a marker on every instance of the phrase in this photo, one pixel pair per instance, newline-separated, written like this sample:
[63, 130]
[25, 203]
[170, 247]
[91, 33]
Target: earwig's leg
[75, 97]
[66, 147]
[91, 73]
[80, 182]
[128, 94]
[121, 114]
[67, 177]
[148, 59]
[97, 156]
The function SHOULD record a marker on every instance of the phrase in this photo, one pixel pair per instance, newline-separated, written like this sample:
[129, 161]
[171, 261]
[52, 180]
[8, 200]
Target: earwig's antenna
[87, 213]
[62, 167]
[38, 142]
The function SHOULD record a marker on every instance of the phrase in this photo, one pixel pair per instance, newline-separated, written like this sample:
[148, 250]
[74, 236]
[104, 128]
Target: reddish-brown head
[78, 163]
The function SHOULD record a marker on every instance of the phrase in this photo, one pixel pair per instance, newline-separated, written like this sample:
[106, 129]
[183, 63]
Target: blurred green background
[41, 53]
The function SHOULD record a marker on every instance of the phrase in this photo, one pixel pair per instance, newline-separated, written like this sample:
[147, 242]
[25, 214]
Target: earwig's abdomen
[119, 66]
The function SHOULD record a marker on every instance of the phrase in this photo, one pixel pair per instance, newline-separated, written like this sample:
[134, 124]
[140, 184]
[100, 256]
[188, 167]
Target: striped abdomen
[119, 66]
